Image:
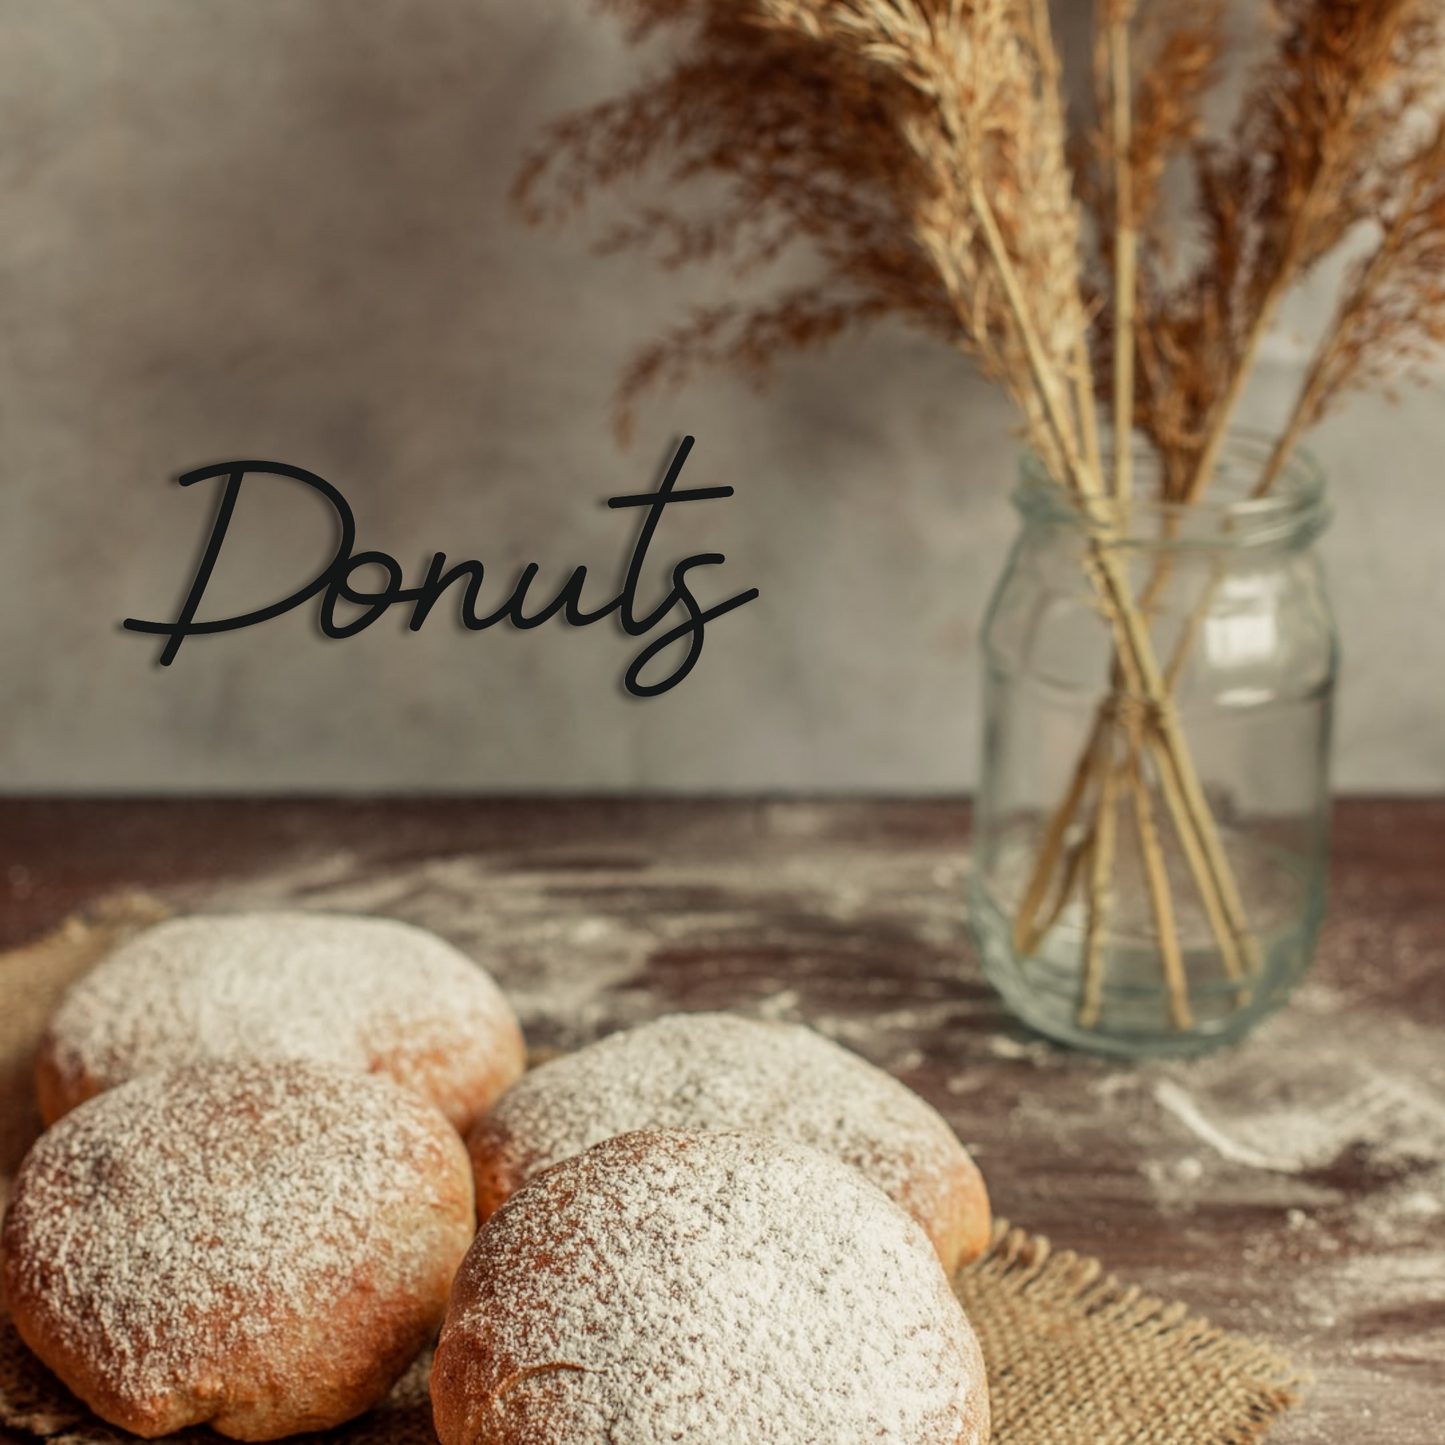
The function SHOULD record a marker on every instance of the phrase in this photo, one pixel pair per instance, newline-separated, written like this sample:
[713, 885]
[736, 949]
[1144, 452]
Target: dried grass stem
[919, 148]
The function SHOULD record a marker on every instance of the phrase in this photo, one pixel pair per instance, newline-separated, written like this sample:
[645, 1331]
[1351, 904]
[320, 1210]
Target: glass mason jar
[1149, 865]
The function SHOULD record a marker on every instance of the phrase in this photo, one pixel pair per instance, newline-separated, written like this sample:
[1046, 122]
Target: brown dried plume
[918, 148]
[1322, 117]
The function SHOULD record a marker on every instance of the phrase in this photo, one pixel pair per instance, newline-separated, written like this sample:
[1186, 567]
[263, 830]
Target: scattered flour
[1375, 1111]
[1266, 1122]
[572, 945]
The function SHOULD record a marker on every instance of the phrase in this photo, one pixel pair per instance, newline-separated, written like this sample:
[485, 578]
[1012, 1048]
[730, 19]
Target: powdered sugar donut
[716, 1288]
[263, 1247]
[719, 1072]
[365, 993]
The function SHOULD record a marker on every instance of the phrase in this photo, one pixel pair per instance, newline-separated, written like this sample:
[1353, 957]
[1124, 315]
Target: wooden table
[1292, 1189]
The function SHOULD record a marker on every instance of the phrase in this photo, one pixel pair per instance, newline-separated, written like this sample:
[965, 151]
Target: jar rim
[1294, 504]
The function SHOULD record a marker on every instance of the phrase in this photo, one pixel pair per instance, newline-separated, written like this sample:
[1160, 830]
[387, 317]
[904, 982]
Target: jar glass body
[1231, 599]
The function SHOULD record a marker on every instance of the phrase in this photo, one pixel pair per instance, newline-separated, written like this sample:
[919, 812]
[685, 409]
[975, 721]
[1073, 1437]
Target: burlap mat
[1074, 1357]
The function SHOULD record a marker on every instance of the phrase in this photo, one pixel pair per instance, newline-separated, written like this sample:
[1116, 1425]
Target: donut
[728, 1289]
[368, 993]
[720, 1072]
[264, 1248]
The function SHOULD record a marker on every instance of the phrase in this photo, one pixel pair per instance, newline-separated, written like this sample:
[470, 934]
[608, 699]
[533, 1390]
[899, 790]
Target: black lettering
[335, 579]
[696, 620]
[234, 472]
[569, 597]
[655, 502]
[375, 602]
[436, 583]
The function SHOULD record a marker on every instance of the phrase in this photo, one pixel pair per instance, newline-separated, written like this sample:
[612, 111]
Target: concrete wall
[278, 228]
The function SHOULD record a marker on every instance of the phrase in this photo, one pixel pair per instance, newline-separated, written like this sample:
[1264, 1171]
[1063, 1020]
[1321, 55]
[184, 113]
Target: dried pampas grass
[920, 148]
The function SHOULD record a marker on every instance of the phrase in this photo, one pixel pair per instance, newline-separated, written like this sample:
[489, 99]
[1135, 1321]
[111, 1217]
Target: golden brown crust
[58, 1090]
[717, 1071]
[951, 1205]
[261, 1249]
[500, 1164]
[953, 1209]
[462, 1081]
[334, 1369]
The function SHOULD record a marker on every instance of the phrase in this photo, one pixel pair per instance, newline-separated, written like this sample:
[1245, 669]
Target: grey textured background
[278, 228]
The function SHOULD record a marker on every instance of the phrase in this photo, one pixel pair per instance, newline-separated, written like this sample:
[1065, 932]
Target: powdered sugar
[178, 1234]
[718, 1287]
[357, 992]
[720, 1072]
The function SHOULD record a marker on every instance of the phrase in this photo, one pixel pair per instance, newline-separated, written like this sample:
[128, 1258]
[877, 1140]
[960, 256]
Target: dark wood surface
[1292, 1188]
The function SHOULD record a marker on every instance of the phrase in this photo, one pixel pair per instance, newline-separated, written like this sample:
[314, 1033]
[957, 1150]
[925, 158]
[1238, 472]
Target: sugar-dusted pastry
[718, 1071]
[264, 1248]
[367, 993]
[722, 1289]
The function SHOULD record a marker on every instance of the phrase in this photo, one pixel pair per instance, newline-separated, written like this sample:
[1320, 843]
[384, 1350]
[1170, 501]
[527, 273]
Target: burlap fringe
[1077, 1357]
